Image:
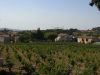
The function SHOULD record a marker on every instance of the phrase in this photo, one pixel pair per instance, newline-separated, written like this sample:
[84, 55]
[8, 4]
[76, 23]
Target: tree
[33, 36]
[25, 37]
[96, 3]
[51, 36]
[39, 35]
[96, 31]
[71, 31]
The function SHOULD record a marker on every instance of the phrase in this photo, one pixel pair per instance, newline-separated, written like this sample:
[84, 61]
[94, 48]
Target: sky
[48, 14]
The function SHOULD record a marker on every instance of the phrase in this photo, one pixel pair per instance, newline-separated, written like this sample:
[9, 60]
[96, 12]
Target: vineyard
[49, 59]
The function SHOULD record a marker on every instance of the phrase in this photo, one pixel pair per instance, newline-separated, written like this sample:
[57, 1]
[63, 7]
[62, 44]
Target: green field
[50, 59]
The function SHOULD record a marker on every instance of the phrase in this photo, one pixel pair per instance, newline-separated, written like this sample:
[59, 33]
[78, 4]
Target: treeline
[51, 34]
[43, 35]
[47, 35]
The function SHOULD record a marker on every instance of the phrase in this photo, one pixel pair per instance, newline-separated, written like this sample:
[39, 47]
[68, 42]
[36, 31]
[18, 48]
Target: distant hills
[96, 29]
[9, 29]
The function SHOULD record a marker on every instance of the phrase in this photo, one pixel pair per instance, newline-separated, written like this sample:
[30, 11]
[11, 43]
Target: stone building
[64, 37]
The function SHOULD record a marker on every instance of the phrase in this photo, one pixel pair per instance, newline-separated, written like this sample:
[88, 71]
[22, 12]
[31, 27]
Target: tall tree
[96, 3]
[39, 35]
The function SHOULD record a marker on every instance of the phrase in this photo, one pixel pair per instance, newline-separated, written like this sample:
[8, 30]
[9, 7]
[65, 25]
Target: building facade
[4, 38]
[85, 39]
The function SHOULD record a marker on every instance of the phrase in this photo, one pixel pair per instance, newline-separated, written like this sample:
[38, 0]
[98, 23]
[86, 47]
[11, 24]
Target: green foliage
[50, 36]
[29, 68]
[96, 3]
[43, 35]
[9, 64]
[33, 36]
[39, 35]
[97, 30]
[50, 58]
[25, 37]
[72, 31]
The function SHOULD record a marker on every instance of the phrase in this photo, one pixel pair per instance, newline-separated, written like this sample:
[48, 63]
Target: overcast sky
[31, 14]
